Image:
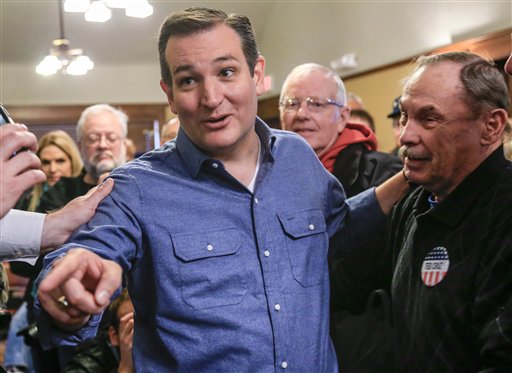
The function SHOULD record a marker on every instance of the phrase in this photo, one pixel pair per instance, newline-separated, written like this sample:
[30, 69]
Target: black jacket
[359, 169]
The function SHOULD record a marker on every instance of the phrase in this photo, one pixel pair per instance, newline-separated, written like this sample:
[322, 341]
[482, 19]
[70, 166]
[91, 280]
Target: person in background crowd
[354, 101]
[170, 130]
[448, 258]
[100, 131]
[59, 158]
[208, 262]
[109, 352]
[395, 116]
[131, 149]
[313, 104]
[363, 117]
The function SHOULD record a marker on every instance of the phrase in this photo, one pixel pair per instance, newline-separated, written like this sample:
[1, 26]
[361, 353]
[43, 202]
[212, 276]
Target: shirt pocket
[211, 269]
[307, 245]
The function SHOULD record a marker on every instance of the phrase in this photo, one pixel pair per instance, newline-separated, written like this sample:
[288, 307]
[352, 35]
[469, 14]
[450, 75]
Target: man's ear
[112, 336]
[494, 127]
[259, 75]
[344, 116]
[170, 95]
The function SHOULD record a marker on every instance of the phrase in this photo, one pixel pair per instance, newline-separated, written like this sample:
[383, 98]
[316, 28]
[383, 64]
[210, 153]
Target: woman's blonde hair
[64, 142]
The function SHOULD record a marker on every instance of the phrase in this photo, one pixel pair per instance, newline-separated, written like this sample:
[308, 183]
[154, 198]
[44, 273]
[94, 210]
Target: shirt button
[209, 247]
[284, 365]
[266, 253]
[277, 307]
[215, 165]
[256, 200]
[311, 227]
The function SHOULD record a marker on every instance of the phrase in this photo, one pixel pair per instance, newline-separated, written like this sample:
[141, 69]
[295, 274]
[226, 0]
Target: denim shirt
[223, 279]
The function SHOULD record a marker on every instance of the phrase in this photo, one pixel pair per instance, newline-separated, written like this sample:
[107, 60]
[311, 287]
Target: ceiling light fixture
[62, 57]
[100, 10]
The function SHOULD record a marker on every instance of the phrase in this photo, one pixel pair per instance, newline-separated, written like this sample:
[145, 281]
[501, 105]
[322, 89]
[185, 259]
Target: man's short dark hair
[484, 85]
[361, 113]
[199, 19]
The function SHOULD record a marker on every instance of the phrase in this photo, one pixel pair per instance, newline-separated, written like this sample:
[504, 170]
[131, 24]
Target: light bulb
[139, 9]
[78, 6]
[121, 4]
[79, 66]
[98, 12]
[49, 65]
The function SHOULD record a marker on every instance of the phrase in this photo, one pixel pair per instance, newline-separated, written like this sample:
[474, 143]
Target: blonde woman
[59, 157]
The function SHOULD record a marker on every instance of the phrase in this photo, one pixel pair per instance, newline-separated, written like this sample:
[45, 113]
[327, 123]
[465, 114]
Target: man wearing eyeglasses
[101, 130]
[313, 104]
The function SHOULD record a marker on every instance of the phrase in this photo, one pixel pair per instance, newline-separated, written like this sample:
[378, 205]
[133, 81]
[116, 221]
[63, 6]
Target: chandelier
[100, 10]
[62, 57]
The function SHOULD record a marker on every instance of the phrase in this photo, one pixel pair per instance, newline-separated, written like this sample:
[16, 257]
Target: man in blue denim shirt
[222, 233]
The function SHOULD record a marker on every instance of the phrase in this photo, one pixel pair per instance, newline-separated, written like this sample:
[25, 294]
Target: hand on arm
[59, 225]
[391, 191]
[18, 172]
[87, 282]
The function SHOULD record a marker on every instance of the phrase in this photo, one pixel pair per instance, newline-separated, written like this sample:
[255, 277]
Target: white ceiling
[29, 26]
[288, 32]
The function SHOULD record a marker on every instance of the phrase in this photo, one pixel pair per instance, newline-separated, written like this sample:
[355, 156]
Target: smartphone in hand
[4, 116]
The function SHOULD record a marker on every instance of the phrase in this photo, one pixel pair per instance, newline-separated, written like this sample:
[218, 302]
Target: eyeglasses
[95, 138]
[315, 104]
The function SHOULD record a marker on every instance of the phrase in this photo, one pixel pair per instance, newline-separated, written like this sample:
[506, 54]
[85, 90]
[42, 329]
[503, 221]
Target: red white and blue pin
[435, 266]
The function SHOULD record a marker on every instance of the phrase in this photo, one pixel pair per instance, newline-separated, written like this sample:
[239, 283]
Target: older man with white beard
[101, 130]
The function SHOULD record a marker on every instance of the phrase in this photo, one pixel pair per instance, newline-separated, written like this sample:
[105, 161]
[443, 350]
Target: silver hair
[341, 96]
[121, 116]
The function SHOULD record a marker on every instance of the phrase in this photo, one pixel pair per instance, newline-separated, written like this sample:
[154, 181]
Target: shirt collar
[194, 157]
[454, 207]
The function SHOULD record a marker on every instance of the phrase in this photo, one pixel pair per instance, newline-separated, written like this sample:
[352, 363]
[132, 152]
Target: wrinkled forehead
[437, 80]
[102, 122]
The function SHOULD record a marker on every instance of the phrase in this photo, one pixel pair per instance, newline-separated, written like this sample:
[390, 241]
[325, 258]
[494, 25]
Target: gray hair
[484, 87]
[121, 116]
[341, 95]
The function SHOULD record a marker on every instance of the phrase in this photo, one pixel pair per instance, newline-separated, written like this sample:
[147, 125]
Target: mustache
[406, 152]
[102, 153]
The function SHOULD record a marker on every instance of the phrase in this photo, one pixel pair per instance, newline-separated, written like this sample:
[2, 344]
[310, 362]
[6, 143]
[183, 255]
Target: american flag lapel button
[435, 266]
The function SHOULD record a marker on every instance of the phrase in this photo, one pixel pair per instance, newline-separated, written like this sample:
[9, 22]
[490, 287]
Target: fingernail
[103, 298]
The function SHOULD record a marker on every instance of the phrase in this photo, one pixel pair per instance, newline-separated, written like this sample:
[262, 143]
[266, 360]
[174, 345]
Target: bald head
[169, 130]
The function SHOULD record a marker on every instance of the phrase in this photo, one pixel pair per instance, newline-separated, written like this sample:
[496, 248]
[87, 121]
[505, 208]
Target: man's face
[442, 143]
[319, 129]
[102, 146]
[213, 92]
